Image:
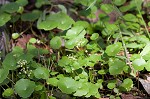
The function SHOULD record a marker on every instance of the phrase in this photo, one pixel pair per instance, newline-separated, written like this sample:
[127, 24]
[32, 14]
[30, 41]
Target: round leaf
[113, 49]
[126, 85]
[24, 87]
[83, 90]
[107, 8]
[67, 85]
[138, 64]
[56, 42]
[52, 81]
[32, 40]
[111, 85]
[59, 20]
[10, 7]
[93, 89]
[94, 36]
[73, 32]
[116, 66]
[15, 35]
[8, 92]
[41, 73]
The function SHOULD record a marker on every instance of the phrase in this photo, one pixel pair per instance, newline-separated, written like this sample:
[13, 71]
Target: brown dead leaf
[146, 84]
[22, 42]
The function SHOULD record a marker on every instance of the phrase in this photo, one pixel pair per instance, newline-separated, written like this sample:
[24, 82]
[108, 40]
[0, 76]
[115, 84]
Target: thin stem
[126, 53]
[143, 20]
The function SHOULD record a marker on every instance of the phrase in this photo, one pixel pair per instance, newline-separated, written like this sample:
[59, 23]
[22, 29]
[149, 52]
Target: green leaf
[113, 49]
[138, 64]
[102, 72]
[8, 92]
[39, 87]
[67, 85]
[134, 45]
[94, 36]
[4, 17]
[116, 66]
[130, 17]
[24, 87]
[56, 42]
[15, 35]
[82, 90]
[146, 50]
[32, 40]
[57, 20]
[127, 85]
[70, 44]
[14, 18]
[133, 5]
[10, 7]
[87, 2]
[93, 89]
[51, 97]
[64, 61]
[10, 62]
[126, 69]
[52, 81]
[119, 2]
[3, 74]
[41, 73]
[76, 37]
[20, 10]
[111, 85]
[111, 27]
[39, 3]
[107, 8]
[74, 31]
[31, 16]
[22, 2]
[84, 24]
[147, 65]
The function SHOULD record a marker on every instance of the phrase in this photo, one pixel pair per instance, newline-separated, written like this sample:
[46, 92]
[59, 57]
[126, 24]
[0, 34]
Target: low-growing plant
[58, 57]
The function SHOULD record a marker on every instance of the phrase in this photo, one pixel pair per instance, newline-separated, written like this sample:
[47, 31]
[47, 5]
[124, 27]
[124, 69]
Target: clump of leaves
[73, 56]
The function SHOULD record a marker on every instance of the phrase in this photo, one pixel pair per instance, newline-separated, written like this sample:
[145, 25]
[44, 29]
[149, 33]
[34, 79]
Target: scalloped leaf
[113, 49]
[67, 85]
[10, 7]
[116, 66]
[56, 42]
[41, 73]
[58, 20]
[8, 92]
[127, 85]
[24, 87]
[138, 64]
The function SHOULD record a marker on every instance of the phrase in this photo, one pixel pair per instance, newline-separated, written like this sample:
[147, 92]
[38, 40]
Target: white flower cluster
[21, 63]
[71, 56]
[24, 68]
[38, 41]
